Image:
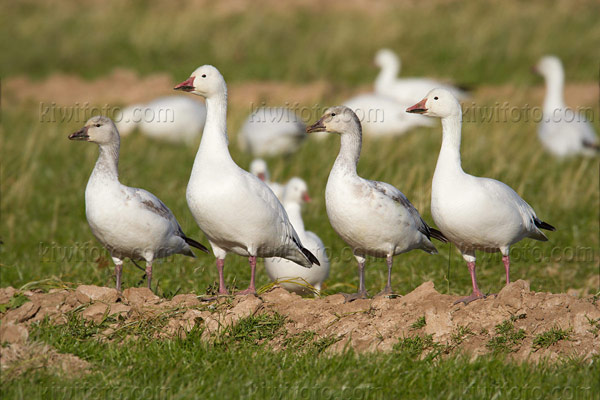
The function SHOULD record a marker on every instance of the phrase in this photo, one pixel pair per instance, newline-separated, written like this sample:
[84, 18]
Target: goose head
[296, 191]
[438, 103]
[338, 119]
[100, 130]
[205, 81]
[385, 58]
[549, 67]
[259, 168]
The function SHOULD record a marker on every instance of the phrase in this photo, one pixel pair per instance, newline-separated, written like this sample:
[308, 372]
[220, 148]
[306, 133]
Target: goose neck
[449, 158]
[107, 165]
[389, 72]
[350, 147]
[554, 92]
[214, 141]
[294, 212]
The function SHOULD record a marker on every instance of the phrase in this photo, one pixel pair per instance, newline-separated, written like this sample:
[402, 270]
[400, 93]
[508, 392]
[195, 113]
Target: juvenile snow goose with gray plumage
[374, 218]
[129, 222]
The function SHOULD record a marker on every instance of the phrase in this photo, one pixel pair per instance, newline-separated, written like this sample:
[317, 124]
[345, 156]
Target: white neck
[449, 158]
[554, 92]
[107, 165]
[388, 74]
[213, 145]
[347, 159]
[294, 212]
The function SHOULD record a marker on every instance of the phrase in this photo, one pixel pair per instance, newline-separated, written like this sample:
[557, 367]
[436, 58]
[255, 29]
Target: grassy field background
[487, 45]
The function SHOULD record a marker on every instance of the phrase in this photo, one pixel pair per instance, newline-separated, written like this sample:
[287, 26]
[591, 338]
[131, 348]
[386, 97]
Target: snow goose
[562, 131]
[384, 116]
[374, 218]
[129, 222]
[259, 168]
[235, 210]
[170, 118]
[271, 131]
[405, 90]
[287, 272]
[473, 213]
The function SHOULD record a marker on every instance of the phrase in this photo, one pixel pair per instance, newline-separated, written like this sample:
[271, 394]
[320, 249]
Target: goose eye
[333, 114]
[204, 75]
[98, 125]
[435, 98]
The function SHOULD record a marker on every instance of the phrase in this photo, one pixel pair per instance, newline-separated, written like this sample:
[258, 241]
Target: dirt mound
[18, 358]
[125, 87]
[525, 324]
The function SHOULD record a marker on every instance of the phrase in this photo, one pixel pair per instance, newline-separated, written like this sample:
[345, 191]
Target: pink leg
[149, 274]
[220, 266]
[476, 292]
[118, 273]
[506, 261]
[251, 288]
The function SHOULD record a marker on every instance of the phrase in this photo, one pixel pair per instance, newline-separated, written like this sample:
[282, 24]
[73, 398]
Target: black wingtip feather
[311, 257]
[438, 235]
[593, 146]
[543, 225]
[195, 244]
[465, 87]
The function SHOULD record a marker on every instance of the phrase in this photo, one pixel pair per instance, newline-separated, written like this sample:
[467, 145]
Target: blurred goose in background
[287, 272]
[384, 116]
[473, 213]
[129, 222]
[374, 218]
[259, 168]
[405, 90]
[235, 210]
[170, 118]
[562, 131]
[271, 132]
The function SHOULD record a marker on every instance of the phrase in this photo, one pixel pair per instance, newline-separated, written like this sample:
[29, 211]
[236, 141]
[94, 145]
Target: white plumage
[384, 116]
[405, 90]
[258, 167]
[169, 118]
[374, 218]
[290, 275]
[235, 210]
[129, 222]
[562, 131]
[473, 213]
[271, 131]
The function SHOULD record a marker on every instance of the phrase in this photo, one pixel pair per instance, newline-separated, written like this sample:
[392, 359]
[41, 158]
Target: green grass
[46, 239]
[507, 338]
[472, 43]
[419, 323]
[548, 338]
[190, 367]
[16, 301]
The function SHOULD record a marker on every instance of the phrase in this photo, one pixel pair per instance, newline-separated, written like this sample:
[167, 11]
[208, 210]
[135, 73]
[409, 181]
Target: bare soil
[364, 325]
[124, 87]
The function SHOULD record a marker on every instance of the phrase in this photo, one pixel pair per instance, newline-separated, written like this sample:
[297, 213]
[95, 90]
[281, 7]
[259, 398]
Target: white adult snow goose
[405, 90]
[473, 213]
[292, 276]
[562, 131]
[237, 212]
